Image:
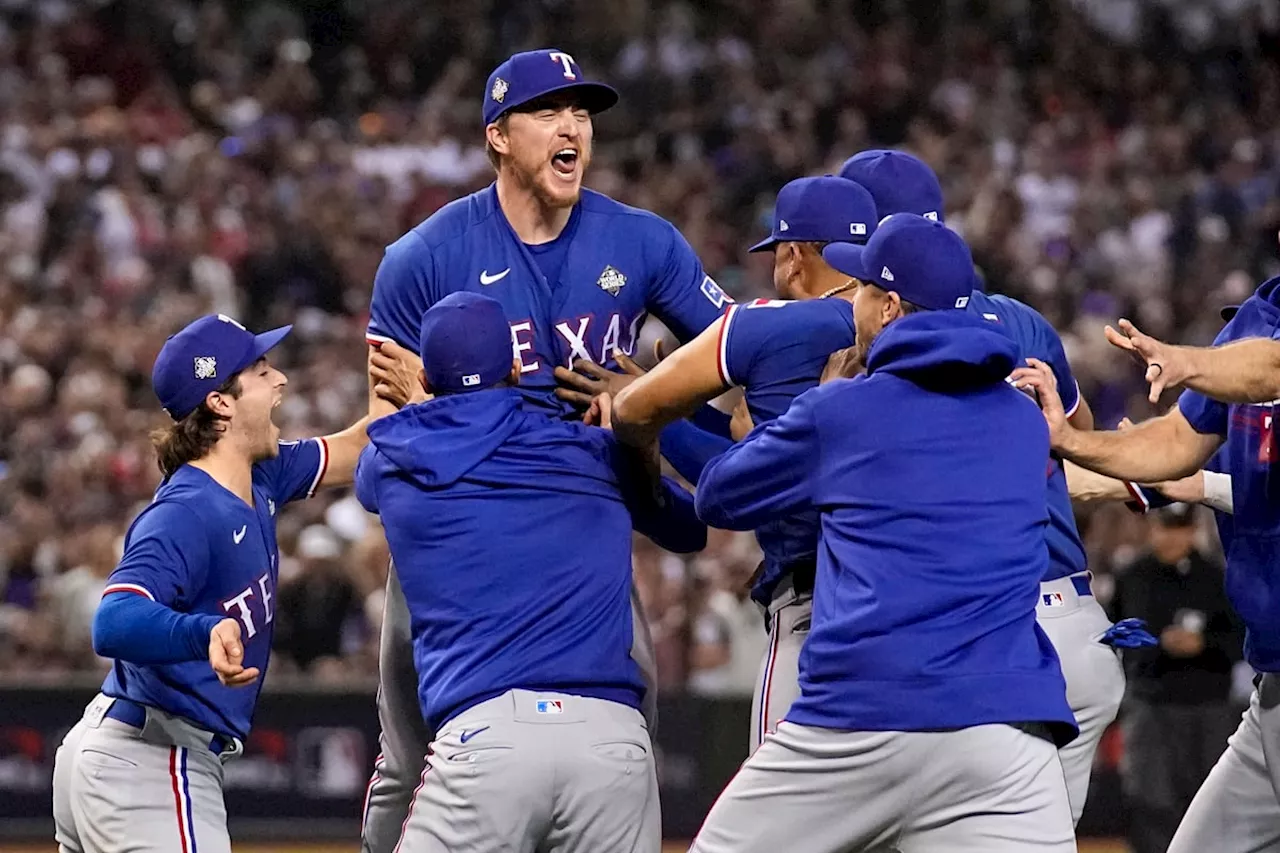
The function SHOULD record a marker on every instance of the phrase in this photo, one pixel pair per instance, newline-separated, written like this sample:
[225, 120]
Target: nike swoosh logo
[466, 735]
[485, 278]
[239, 534]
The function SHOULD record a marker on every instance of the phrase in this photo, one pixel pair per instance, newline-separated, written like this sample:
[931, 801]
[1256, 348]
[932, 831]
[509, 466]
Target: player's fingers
[577, 398]
[576, 381]
[1155, 375]
[626, 363]
[604, 403]
[243, 678]
[1118, 340]
[590, 368]
[1124, 424]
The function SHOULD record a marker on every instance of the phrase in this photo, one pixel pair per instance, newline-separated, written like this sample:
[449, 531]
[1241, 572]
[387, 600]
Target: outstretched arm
[1246, 371]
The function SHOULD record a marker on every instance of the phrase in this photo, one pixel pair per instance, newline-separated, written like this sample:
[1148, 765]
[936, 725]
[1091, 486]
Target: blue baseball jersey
[1037, 339]
[777, 349]
[1249, 455]
[198, 548]
[581, 296]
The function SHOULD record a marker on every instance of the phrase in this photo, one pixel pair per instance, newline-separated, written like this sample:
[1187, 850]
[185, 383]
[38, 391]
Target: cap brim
[765, 245]
[1228, 311]
[265, 342]
[596, 97]
[846, 258]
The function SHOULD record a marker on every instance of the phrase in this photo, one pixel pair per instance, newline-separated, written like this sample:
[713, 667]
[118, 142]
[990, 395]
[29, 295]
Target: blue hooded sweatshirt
[929, 474]
[511, 536]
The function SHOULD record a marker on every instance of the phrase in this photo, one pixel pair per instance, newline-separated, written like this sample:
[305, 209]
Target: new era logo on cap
[782, 225]
[886, 274]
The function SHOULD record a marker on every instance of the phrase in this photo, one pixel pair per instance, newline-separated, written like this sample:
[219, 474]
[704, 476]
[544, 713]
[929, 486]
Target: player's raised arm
[1246, 371]
[679, 385]
[1164, 448]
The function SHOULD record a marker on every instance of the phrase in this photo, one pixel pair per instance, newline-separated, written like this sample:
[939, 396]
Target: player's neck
[230, 467]
[838, 286]
[534, 222]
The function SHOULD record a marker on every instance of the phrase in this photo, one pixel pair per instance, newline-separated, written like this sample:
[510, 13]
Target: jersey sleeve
[1045, 344]
[402, 292]
[1206, 416]
[770, 473]
[744, 334]
[166, 556]
[684, 297]
[297, 469]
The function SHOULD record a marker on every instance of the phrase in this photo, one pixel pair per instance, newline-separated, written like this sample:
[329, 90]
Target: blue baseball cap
[826, 209]
[899, 182]
[921, 260]
[203, 357]
[528, 76]
[465, 343]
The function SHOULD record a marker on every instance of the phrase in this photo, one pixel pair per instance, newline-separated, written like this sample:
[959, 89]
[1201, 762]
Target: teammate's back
[521, 576]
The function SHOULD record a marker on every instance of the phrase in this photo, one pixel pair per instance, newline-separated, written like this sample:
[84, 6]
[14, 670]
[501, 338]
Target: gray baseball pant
[404, 737]
[534, 772]
[777, 685]
[1094, 676]
[119, 789]
[985, 789]
[1237, 809]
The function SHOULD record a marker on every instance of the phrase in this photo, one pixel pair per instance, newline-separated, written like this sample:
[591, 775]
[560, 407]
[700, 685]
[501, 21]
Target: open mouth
[565, 162]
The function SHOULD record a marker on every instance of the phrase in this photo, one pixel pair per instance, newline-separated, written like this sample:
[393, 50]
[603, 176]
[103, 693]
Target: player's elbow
[714, 512]
[106, 632]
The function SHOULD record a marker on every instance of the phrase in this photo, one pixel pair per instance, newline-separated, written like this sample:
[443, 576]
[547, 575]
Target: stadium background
[164, 158]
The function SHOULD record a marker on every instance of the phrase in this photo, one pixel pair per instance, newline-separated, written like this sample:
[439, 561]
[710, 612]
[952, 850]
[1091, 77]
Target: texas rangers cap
[821, 210]
[201, 359]
[921, 260]
[465, 343]
[899, 182]
[530, 75]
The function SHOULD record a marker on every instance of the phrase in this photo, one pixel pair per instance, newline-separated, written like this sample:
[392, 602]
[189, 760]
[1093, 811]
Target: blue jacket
[511, 535]
[929, 473]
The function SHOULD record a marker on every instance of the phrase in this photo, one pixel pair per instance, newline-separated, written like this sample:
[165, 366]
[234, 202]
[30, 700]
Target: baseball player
[522, 625]
[1237, 809]
[931, 702]
[187, 614]
[576, 274]
[745, 349]
[776, 350]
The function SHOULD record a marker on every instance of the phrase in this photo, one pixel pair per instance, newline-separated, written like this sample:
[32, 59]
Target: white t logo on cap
[567, 61]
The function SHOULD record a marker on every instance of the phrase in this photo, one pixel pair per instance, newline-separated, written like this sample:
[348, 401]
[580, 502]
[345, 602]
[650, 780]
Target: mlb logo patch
[858, 229]
[550, 706]
[471, 380]
[1053, 599]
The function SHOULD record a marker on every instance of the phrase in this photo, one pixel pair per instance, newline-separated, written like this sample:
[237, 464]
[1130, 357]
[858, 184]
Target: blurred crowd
[160, 159]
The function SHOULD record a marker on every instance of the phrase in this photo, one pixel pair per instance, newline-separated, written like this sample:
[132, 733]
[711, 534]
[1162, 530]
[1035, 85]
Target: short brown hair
[495, 159]
[192, 437]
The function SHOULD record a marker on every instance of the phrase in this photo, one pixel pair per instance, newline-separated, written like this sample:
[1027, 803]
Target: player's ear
[892, 306]
[495, 134]
[222, 405]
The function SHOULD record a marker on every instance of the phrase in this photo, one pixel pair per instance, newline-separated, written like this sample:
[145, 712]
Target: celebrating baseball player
[1229, 404]
[187, 614]
[521, 615]
[777, 350]
[576, 273]
[931, 702]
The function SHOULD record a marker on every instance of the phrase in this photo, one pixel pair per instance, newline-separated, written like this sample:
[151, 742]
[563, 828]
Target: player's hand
[226, 655]
[394, 371]
[842, 364]
[740, 423]
[1040, 379]
[1181, 643]
[600, 412]
[589, 380]
[1165, 365]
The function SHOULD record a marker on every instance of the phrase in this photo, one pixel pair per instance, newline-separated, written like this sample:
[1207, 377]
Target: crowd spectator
[160, 159]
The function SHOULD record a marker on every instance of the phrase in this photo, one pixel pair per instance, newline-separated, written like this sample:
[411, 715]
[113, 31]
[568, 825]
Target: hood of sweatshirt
[948, 350]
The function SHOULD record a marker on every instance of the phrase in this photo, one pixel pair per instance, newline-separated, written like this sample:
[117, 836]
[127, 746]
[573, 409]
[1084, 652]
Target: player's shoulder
[825, 319]
[600, 205]
[450, 222]
[177, 511]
